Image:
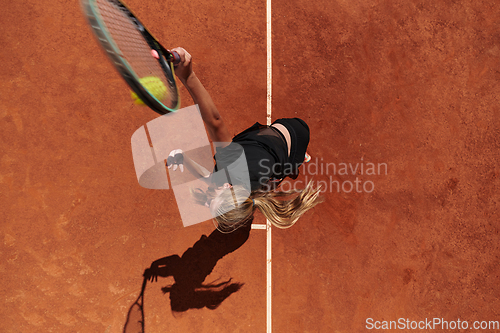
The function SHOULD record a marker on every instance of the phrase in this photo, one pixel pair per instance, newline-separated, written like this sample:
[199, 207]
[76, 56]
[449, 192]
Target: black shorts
[299, 134]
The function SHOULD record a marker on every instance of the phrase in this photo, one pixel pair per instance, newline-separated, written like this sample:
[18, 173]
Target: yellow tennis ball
[155, 86]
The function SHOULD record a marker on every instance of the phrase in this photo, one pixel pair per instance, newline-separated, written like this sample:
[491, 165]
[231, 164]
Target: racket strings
[132, 44]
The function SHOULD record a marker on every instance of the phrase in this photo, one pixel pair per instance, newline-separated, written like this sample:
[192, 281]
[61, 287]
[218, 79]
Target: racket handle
[176, 59]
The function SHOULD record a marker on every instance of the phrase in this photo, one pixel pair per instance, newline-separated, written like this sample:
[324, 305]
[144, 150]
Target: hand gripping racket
[146, 66]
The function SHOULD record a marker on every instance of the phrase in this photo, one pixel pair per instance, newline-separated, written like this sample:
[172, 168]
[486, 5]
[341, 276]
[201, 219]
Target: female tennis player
[272, 153]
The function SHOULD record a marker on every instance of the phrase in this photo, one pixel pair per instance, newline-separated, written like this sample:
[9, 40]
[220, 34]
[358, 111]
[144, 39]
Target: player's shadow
[190, 270]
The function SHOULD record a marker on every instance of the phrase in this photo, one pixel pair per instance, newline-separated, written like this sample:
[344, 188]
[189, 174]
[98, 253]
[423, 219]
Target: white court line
[269, 61]
[259, 226]
[269, 276]
[269, 109]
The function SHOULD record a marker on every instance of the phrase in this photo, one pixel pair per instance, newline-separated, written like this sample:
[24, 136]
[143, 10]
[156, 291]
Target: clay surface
[402, 99]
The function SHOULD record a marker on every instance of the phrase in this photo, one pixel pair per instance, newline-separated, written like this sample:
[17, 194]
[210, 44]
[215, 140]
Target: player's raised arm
[215, 125]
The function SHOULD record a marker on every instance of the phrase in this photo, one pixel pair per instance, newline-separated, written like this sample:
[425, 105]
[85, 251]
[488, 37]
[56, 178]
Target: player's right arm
[215, 125]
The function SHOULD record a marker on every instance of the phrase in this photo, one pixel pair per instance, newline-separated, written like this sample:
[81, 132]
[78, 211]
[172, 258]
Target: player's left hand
[176, 159]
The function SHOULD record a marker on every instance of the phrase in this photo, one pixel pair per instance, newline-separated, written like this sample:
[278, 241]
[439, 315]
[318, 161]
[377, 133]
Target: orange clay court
[408, 90]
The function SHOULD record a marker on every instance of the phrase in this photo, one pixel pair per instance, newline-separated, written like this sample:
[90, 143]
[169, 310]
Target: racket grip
[176, 59]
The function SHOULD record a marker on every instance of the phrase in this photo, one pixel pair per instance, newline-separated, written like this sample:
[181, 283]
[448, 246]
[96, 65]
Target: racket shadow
[135, 315]
[191, 269]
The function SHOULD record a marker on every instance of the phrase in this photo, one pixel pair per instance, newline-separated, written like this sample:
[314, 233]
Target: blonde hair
[237, 205]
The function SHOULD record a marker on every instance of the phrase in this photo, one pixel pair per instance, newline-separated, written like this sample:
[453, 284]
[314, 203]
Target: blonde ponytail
[282, 213]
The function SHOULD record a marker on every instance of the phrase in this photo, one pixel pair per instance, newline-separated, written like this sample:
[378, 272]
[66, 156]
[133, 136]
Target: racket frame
[166, 58]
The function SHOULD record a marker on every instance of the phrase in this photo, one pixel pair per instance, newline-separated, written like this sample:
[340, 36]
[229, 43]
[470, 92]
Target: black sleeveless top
[266, 155]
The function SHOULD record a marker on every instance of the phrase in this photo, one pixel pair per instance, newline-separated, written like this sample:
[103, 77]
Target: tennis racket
[146, 66]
